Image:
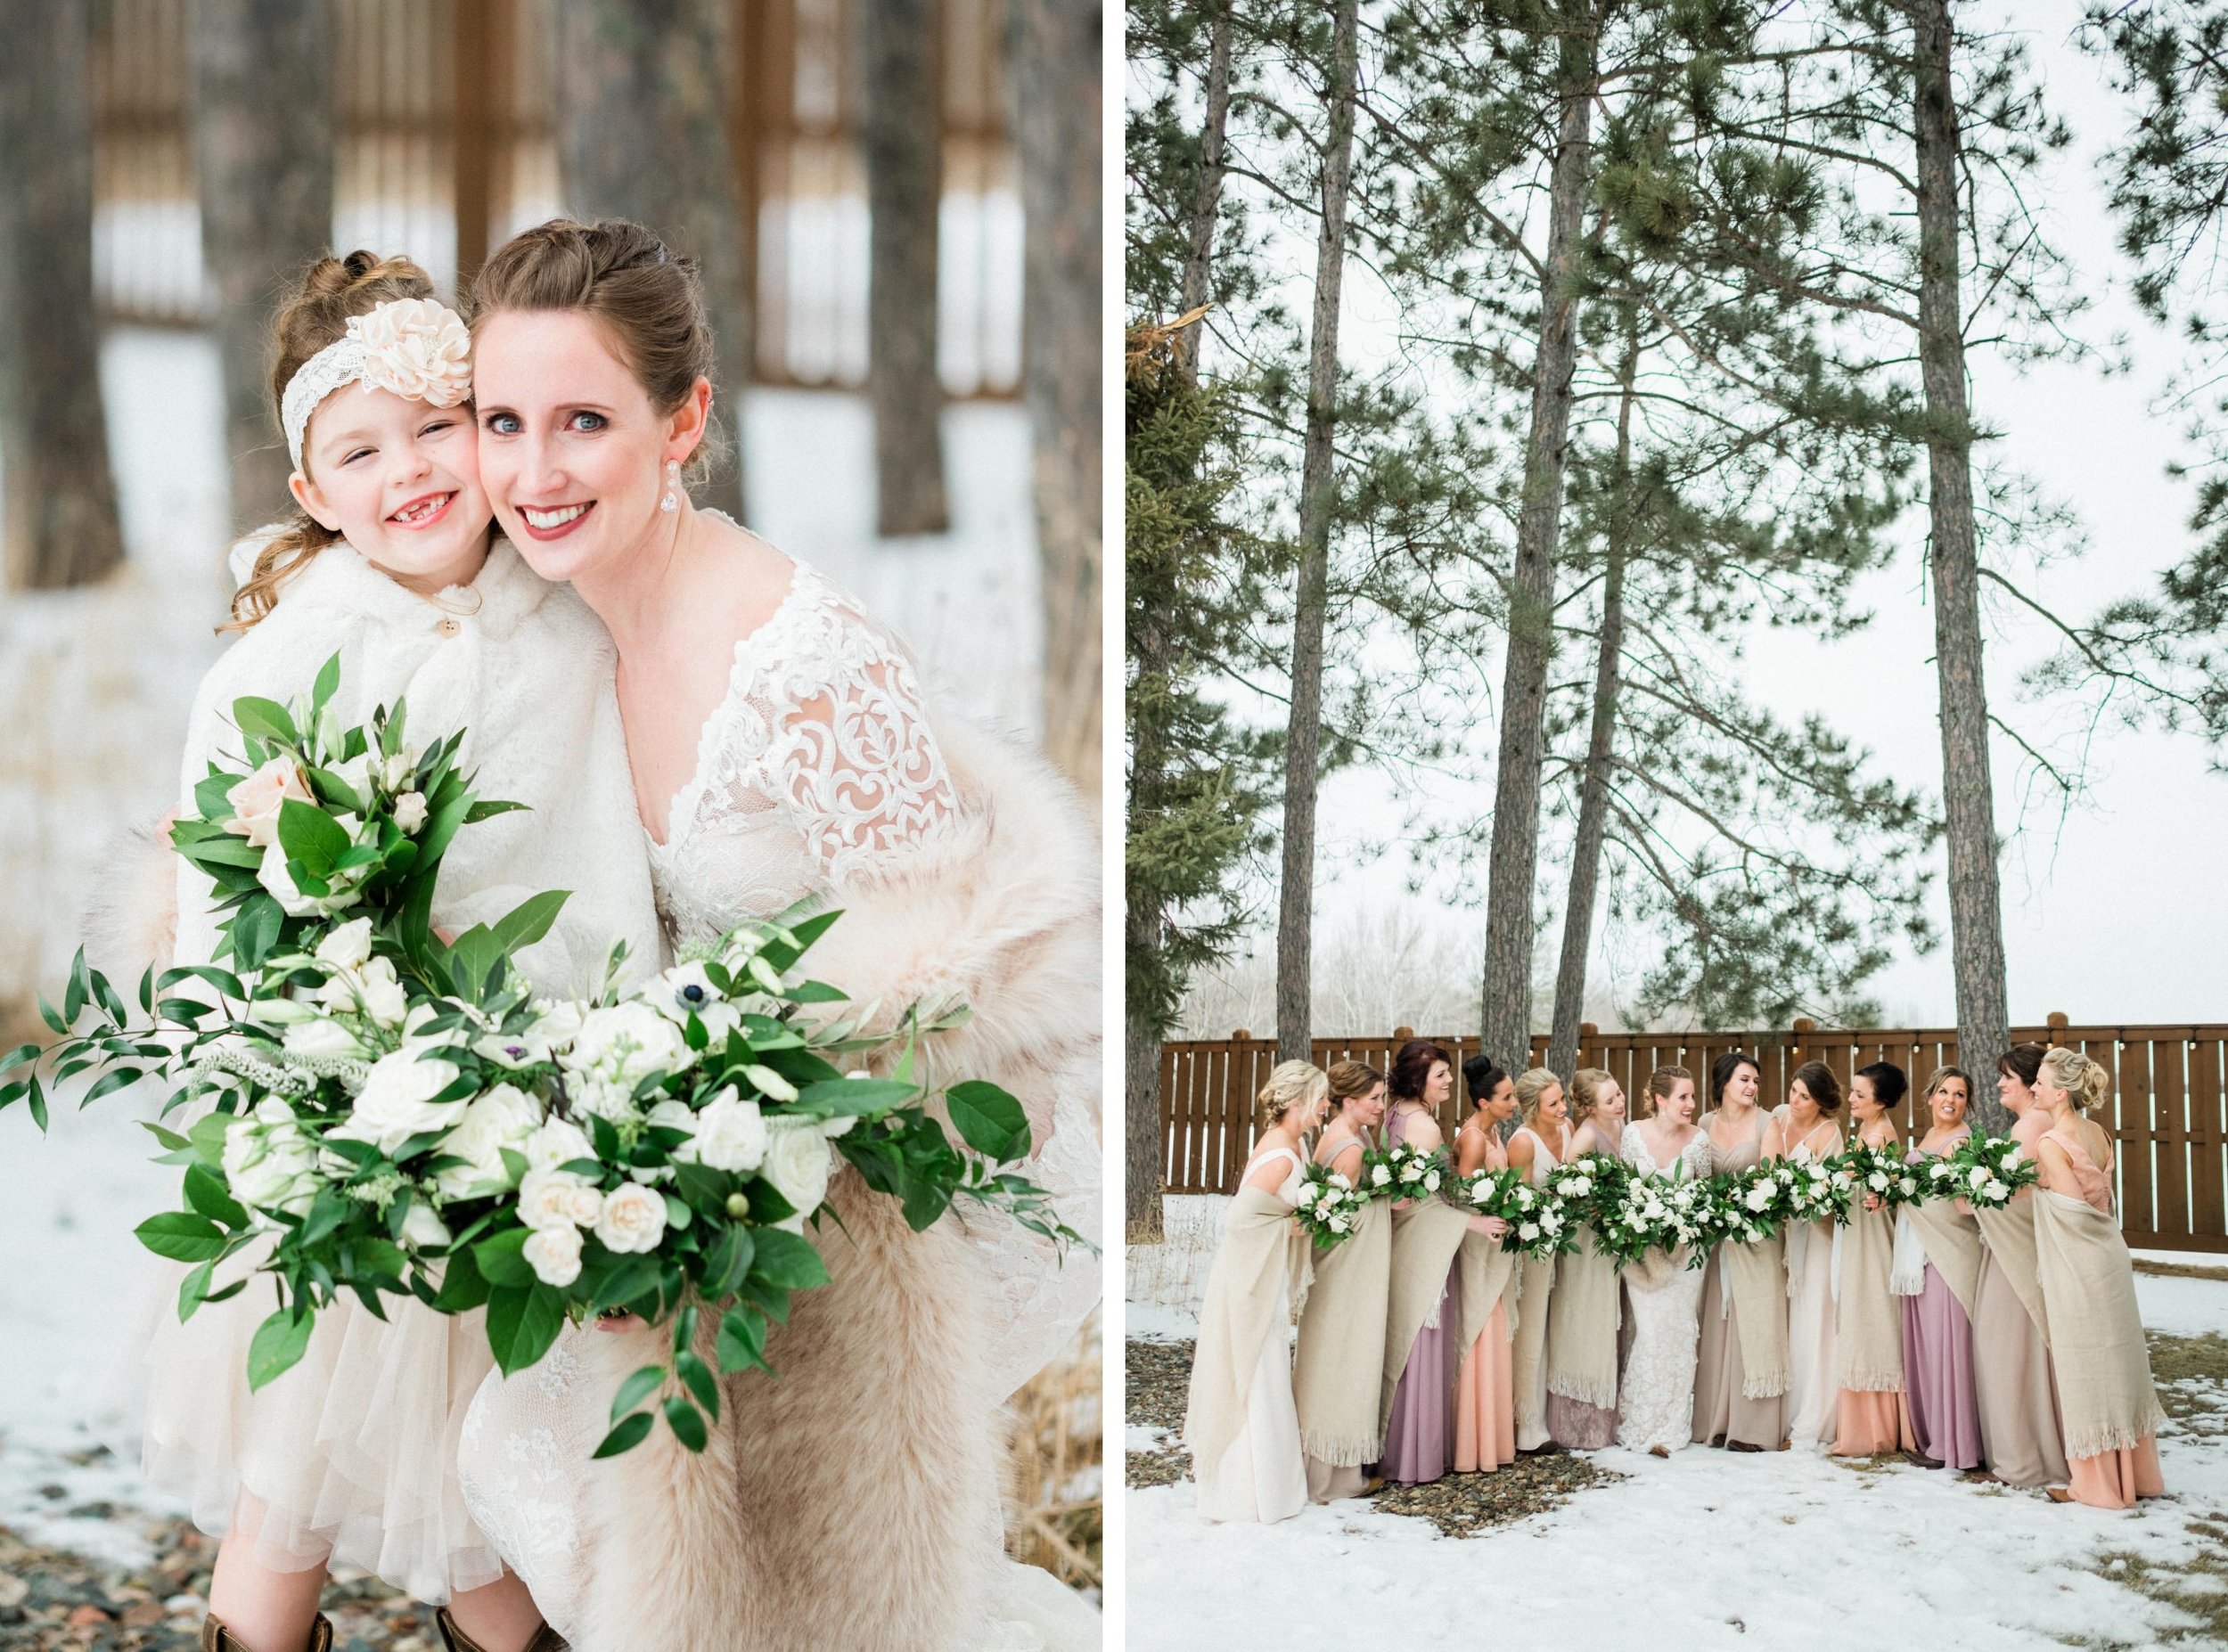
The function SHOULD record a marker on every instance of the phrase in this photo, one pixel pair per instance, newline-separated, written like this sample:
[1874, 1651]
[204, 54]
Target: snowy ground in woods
[94, 691]
[1706, 1549]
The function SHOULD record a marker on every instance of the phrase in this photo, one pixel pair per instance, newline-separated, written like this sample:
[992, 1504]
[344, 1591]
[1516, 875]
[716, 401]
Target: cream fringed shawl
[1490, 1276]
[1951, 1238]
[1868, 1317]
[1583, 1317]
[2106, 1401]
[2008, 1235]
[1336, 1371]
[1755, 1275]
[1252, 1272]
[1426, 1236]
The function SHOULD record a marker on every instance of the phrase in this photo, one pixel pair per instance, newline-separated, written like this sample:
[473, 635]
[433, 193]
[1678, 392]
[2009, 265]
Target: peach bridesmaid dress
[2110, 1479]
[1484, 1386]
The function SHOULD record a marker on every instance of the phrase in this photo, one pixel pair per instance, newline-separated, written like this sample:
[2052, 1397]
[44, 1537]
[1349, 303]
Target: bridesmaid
[2020, 1438]
[1741, 1364]
[1584, 1323]
[1240, 1426]
[1340, 1355]
[1869, 1415]
[1938, 1265]
[2109, 1405]
[1538, 1148]
[1803, 1132]
[1423, 1331]
[1484, 1392]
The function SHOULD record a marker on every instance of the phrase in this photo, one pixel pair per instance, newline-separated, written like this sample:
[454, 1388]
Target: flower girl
[391, 565]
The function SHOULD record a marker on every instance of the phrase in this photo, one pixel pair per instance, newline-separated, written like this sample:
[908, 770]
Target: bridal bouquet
[1328, 1204]
[1667, 1213]
[389, 1112]
[1539, 1224]
[1989, 1170]
[1876, 1178]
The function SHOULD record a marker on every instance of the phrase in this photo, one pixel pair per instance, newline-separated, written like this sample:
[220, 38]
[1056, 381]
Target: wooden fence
[2164, 1112]
[445, 145]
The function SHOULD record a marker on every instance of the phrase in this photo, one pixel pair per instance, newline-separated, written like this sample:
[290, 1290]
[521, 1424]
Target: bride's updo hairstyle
[1824, 1088]
[1662, 1082]
[647, 301]
[331, 291]
[2085, 1081]
[1531, 1087]
[1412, 1068]
[1291, 1085]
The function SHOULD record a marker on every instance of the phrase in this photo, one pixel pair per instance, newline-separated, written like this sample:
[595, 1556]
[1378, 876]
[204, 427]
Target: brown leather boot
[216, 1638]
[545, 1638]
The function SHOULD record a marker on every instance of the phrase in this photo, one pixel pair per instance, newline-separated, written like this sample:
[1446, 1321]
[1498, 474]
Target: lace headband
[417, 347]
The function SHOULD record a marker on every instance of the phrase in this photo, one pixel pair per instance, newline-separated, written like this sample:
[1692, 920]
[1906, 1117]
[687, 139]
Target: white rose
[617, 1049]
[1379, 1175]
[1342, 1181]
[545, 1198]
[504, 1117]
[554, 1254]
[268, 1162]
[410, 812]
[322, 1038]
[395, 771]
[1877, 1182]
[798, 1162]
[396, 1100]
[1978, 1177]
[1759, 1198]
[1339, 1224]
[559, 1141]
[633, 1219]
[1528, 1231]
[349, 948]
[383, 998]
[274, 876]
[256, 800]
[585, 1204]
[422, 1227]
[731, 1135]
[1995, 1192]
[1431, 1182]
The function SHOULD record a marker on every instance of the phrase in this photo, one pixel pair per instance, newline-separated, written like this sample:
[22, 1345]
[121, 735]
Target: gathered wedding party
[553, 983]
[1676, 745]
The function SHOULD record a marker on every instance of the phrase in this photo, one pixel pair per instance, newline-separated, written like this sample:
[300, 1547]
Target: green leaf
[327, 1212]
[687, 1421]
[182, 1236]
[207, 1134]
[280, 1341]
[786, 1261]
[988, 1119]
[637, 1388]
[193, 1290]
[499, 1258]
[489, 808]
[18, 1056]
[742, 1339]
[521, 1324]
[464, 1286]
[529, 921]
[254, 929]
[52, 1017]
[205, 1192]
[222, 980]
[839, 1098]
[333, 790]
[700, 1382]
[328, 680]
[223, 850]
[311, 835]
[265, 719]
[109, 1082]
[729, 1262]
[629, 1434]
[38, 1105]
[635, 1277]
[171, 1139]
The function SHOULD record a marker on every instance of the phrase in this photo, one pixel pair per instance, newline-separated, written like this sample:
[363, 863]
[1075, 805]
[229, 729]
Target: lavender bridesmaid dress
[1419, 1439]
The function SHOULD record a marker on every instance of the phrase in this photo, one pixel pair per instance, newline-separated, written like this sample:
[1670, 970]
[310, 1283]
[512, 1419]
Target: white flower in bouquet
[396, 1100]
[268, 1161]
[1877, 1182]
[554, 1254]
[731, 1135]
[1908, 1187]
[395, 771]
[616, 1049]
[256, 801]
[1995, 1192]
[559, 1141]
[1528, 1231]
[634, 1218]
[1431, 1181]
[1481, 1192]
[1759, 1198]
[1977, 1177]
[550, 1199]
[324, 1038]
[356, 774]
[347, 947]
[1380, 1175]
[273, 877]
[1337, 1179]
[686, 990]
[505, 1116]
[1551, 1221]
[410, 813]
[1340, 1223]
[798, 1164]
[422, 1227]
[770, 1082]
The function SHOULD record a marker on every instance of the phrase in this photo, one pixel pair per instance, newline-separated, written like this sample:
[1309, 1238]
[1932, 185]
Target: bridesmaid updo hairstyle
[1824, 1088]
[1585, 1087]
[2022, 1062]
[1291, 1085]
[1411, 1066]
[1351, 1080]
[1481, 1076]
[1889, 1085]
[1531, 1087]
[647, 301]
[2085, 1081]
[332, 291]
[1662, 1082]
[1722, 1071]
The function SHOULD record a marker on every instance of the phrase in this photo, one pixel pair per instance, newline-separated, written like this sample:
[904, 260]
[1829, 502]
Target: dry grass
[1055, 1497]
[2179, 1270]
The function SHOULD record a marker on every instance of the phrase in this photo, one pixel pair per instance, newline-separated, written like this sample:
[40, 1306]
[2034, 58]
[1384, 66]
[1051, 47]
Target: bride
[781, 748]
[1655, 1405]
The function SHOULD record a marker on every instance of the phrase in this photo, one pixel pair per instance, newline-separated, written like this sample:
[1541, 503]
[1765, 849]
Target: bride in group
[781, 748]
[1655, 1404]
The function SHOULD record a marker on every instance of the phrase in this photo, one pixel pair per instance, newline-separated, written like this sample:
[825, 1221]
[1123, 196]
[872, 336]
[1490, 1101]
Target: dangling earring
[672, 501]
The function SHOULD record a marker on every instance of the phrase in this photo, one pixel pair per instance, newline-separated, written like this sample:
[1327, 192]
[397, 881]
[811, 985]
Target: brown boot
[545, 1638]
[216, 1638]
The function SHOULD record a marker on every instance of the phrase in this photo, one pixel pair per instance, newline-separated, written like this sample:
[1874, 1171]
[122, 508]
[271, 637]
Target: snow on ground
[1706, 1550]
[95, 687]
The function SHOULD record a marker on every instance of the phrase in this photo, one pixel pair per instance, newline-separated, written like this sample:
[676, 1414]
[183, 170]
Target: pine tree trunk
[1143, 1144]
[905, 192]
[1593, 802]
[263, 86]
[1207, 202]
[60, 527]
[1968, 799]
[1318, 497]
[1505, 1022]
[1057, 91]
[642, 134]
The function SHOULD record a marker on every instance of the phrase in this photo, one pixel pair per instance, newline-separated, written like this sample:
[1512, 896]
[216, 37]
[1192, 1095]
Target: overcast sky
[2115, 914]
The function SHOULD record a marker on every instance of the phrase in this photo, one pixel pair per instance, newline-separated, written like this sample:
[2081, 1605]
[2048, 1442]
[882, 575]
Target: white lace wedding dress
[1655, 1400]
[818, 770]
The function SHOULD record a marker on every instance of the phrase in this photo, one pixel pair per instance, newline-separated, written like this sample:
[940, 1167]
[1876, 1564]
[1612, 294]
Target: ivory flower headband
[417, 347]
